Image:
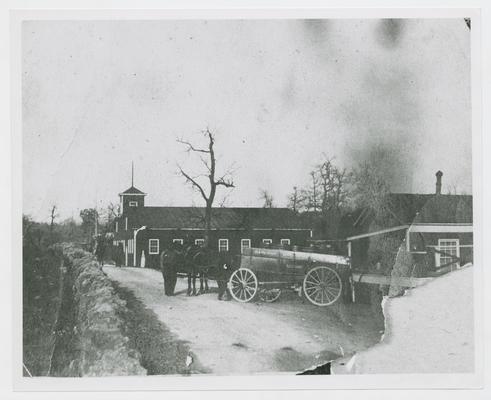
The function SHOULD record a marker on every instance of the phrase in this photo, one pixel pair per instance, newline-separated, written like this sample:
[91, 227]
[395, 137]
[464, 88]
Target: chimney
[439, 175]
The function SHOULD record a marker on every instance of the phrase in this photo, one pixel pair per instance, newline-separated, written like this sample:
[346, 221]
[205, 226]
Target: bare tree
[267, 198]
[371, 190]
[332, 183]
[53, 216]
[295, 200]
[311, 193]
[112, 212]
[208, 159]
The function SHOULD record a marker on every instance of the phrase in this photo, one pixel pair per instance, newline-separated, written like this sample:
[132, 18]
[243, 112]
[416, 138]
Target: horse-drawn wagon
[264, 273]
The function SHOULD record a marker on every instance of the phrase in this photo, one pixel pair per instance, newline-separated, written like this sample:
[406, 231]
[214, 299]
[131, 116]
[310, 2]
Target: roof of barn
[222, 218]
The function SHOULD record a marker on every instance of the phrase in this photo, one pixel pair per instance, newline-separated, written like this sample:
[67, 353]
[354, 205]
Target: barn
[145, 231]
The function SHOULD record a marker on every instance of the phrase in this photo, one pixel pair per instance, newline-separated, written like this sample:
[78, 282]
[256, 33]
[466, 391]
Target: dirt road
[229, 337]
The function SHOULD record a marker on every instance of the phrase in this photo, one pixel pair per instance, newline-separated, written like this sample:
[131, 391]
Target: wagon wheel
[243, 285]
[269, 295]
[322, 286]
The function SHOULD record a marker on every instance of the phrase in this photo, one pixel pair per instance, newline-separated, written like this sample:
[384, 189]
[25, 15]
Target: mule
[197, 260]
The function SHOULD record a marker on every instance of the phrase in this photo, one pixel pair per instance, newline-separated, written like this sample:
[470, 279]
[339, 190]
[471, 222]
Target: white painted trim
[382, 231]
[132, 194]
[287, 244]
[125, 245]
[226, 242]
[125, 223]
[131, 246]
[267, 241]
[133, 203]
[199, 241]
[180, 241]
[116, 229]
[408, 238]
[149, 247]
[442, 228]
[460, 245]
[135, 232]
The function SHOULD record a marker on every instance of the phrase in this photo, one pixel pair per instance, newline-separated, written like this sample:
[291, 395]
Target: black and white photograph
[224, 197]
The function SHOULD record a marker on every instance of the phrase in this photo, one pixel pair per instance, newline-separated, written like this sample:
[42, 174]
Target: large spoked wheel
[243, 285]
[269, 295]
[322, 286]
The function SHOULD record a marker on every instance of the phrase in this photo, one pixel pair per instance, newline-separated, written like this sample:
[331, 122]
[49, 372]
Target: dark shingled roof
[132, 190]
[222, 218]
[446, 209]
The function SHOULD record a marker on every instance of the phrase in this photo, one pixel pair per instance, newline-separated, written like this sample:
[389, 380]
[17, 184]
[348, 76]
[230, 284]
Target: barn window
[133, 204]
[126, 224]
[180, 241]
[153, 246]
[245, 244]
[199, 242]
[448, 253]
[285, 242]
[267, 242]
[117, 226]
[222, 244]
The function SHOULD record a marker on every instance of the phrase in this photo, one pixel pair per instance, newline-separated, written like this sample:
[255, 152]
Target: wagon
[264, 273]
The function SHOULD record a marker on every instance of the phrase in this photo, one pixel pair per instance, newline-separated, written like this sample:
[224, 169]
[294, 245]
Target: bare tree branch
[193, 183]
[226, 183]
[191, 147]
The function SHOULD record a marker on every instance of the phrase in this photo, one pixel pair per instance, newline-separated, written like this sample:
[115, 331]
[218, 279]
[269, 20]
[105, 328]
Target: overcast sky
[277, 94]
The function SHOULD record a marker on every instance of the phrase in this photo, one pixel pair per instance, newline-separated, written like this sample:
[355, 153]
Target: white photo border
[253, 382]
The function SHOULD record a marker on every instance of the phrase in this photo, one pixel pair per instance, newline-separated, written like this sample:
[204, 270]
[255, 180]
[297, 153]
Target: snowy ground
[428, 330]
[236, 338]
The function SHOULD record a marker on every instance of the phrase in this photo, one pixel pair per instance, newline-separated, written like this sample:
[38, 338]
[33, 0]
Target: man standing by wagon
[223, 275]
[168, 265]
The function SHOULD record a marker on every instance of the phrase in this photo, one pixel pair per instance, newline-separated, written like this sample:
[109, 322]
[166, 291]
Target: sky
[279, 95]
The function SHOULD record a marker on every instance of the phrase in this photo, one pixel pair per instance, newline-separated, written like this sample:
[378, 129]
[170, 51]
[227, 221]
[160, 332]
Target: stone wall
[101, 348]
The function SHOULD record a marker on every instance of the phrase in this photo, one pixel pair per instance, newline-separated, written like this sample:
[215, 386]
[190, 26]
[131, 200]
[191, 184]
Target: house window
[117, 226]
[153, 246]
[180, 241]
[267, 242]
[285, 242]
[222, 245]
[133, 204]
[126, 224]
[199, 242]
[245, 244]
[448, 253]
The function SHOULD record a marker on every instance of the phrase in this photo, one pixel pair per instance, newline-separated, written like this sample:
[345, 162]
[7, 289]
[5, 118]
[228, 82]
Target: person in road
[169, 265]
[118, 256]
[100, 249]
[223, 276]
